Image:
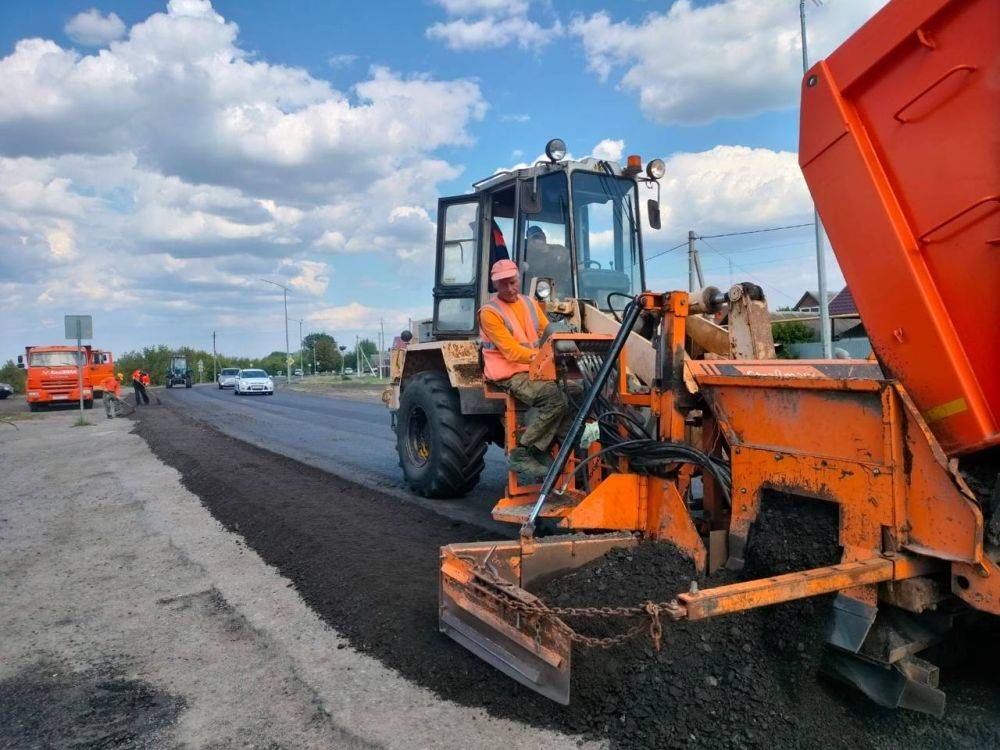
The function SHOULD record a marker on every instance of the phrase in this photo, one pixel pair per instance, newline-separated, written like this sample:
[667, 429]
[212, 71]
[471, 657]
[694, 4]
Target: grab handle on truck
[898, 114]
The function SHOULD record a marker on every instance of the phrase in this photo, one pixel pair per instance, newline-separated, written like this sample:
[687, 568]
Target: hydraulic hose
[629, 317]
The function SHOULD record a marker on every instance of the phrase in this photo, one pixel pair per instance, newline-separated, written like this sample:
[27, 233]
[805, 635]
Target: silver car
[227, 378]
[6, 389]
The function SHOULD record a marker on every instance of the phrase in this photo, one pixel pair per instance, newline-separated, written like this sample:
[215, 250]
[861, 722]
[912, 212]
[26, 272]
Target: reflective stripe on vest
[496, 366]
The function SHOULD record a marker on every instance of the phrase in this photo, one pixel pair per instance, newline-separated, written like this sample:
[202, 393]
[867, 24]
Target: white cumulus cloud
[609, 149]
[734, 58]
[729, 187]
[491, 24]
[92, 29]
[186, 168]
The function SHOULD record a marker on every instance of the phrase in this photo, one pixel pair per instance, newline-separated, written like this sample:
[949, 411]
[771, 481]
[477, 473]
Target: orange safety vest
[495, 365]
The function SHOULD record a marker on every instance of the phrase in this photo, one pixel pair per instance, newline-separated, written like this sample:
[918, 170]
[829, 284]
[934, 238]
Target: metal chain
[555, 614]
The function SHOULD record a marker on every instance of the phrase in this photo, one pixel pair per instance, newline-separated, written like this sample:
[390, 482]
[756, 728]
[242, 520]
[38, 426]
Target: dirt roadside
[367, 389]
[131, 618]
[368, 566]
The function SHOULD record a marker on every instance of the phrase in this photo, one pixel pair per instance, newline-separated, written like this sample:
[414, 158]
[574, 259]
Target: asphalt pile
[747, 680]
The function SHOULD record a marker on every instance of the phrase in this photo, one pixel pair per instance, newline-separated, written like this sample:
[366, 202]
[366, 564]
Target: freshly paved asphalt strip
[346, 437]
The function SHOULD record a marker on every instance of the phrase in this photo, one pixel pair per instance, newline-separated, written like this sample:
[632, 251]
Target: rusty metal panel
[461, 361]
[825, 424]
[766, 591]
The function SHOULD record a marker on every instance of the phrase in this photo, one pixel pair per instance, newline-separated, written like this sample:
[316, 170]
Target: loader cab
[573, 224]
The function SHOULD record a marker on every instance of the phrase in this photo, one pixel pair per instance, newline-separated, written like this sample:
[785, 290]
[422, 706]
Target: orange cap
[503, 269]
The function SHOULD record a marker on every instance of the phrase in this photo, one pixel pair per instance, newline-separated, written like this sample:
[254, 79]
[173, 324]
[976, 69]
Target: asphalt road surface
[346, 437]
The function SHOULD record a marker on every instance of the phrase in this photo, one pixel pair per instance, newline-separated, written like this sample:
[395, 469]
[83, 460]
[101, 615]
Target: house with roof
[809, 302]
[845, 323]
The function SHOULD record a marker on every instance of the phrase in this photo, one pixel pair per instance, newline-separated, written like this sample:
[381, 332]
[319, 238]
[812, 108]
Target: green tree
[156, 359]
[791, 332]
[273, 363]
[327, 354]
[370, 350]
[14, 375]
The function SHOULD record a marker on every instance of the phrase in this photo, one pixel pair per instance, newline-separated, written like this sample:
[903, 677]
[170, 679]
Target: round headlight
[656, 169]
[543, 290]
[556, 149]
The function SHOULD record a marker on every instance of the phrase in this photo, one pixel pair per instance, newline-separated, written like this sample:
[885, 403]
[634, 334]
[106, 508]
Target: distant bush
[792, 332]
[14, 375]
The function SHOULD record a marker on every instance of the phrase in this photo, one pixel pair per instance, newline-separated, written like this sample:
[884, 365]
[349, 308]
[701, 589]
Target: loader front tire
[440, 449]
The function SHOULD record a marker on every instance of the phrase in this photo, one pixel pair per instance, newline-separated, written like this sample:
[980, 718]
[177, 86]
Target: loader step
[559, 507]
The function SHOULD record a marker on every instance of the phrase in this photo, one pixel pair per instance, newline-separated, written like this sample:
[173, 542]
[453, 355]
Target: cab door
[456, 279]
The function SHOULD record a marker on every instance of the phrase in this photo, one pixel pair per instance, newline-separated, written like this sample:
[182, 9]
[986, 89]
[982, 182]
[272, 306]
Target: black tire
[440, 450]
[34, 406]
[170, 383]
[88, 403]
[220, 387]
[188, 384]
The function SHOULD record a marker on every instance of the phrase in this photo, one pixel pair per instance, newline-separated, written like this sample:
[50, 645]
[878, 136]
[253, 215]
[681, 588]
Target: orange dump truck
[53, 377]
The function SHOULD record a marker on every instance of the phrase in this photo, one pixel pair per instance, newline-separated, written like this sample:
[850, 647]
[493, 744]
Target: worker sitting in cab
[510, 326]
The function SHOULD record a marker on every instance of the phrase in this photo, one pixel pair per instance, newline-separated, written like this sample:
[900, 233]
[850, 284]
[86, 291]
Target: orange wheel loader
[899, 147]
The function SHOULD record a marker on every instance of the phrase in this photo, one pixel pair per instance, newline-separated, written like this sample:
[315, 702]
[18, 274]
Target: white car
[253, 381]
[227, 377]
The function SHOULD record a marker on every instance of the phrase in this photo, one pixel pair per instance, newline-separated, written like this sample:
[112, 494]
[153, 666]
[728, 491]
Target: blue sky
[159, 159]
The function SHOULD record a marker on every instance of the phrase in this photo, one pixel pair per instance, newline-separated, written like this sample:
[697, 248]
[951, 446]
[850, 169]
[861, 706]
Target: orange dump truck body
[52, 375]
[900, 146]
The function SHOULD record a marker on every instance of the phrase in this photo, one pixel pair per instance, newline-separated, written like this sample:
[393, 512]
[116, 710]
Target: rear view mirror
[653, 207]
[531, 199]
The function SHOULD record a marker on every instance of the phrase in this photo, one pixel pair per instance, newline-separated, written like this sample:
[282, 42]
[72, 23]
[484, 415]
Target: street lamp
[288, 365]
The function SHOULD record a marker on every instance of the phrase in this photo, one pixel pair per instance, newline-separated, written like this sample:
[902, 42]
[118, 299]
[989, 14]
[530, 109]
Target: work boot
[526, 465]
[542, 457]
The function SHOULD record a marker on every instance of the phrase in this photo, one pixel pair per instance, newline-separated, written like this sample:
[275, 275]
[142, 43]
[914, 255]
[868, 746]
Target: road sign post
[79, 327]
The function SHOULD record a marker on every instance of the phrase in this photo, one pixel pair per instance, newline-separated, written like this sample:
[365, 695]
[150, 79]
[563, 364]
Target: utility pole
[357, 349]
[302, 368]
[381, 346]
[696, 280]
[215, 360]
[824, 303]
[288, 357]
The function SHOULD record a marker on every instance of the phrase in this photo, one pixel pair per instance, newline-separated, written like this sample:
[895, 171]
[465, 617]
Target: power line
[762, 283]
[668, 250]
[770, 261]
[753, 231]
[683, 243]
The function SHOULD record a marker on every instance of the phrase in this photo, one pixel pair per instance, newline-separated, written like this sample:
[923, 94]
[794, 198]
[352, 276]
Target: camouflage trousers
[553, 409]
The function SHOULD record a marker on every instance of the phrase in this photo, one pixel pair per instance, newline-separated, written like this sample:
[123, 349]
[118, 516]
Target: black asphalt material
[368, 565]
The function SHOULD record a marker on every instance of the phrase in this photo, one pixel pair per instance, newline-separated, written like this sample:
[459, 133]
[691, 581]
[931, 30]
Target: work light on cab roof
[556, 149]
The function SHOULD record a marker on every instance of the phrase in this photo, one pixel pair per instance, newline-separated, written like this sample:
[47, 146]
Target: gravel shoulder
[132, 618]
[321, 385]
